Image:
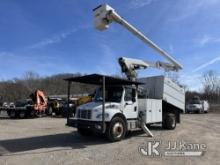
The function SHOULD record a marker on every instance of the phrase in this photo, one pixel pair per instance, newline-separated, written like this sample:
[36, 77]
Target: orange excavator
[40, 101]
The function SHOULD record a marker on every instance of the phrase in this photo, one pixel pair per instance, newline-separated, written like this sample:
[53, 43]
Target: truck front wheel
[169, 122]
[116, 130]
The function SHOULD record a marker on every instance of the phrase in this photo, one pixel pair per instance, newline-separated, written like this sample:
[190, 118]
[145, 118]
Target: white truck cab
[118, 99]
[197, 106]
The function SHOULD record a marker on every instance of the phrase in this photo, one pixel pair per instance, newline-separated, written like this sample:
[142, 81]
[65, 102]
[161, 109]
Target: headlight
[100, 115]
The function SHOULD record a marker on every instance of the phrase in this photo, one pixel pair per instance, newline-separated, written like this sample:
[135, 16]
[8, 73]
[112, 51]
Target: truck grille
[84, 114]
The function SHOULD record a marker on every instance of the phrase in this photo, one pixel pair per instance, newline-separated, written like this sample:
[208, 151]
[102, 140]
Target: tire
[22, 114]
[49, 110]
[12, 114]
[32, 113]
[84, 132]
[116, 130]
[169, 121]
[9, 113]
[57, 111]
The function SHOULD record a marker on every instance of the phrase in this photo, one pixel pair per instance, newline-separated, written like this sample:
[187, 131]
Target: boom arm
[104, 15]
[129, 66]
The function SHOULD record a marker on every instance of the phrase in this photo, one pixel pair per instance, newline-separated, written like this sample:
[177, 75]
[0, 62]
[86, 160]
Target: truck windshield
[112, 94]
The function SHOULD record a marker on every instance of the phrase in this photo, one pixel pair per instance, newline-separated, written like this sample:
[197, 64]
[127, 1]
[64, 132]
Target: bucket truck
[120, 105]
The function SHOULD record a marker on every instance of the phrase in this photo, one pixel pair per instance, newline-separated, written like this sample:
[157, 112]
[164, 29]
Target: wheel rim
[118, 130]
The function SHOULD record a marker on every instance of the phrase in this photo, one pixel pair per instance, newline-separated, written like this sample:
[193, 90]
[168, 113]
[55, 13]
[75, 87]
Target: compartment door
[154, 111]
[149, 111]
[157, 111]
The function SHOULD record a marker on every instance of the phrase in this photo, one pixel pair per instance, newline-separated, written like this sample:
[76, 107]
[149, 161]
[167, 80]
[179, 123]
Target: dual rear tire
[169, 121]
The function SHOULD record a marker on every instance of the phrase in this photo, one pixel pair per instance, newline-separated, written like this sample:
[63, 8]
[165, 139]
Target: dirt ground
[49, 141]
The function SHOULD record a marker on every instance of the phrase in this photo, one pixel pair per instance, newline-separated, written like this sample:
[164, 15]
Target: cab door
[130, 109]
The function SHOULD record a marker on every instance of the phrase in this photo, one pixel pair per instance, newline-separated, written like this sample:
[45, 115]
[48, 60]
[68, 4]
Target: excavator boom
[40, 101]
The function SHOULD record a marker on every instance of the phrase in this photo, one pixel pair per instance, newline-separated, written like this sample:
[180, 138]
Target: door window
[128, 94]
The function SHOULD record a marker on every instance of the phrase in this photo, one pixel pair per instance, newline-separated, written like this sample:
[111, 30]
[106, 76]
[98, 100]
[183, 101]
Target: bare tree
[211, 86]
[31, 80]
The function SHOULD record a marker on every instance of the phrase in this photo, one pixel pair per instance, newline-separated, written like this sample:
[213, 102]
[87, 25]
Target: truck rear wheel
[116, 130]
[169, 121]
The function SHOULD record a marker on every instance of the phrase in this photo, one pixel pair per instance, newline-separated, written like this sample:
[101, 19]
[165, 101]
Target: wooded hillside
[18, 89]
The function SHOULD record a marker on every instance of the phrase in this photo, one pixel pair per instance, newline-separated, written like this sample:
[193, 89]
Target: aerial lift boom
[104, 15]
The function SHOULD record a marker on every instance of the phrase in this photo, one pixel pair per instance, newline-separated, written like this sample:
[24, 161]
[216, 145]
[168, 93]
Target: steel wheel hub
[118, 130]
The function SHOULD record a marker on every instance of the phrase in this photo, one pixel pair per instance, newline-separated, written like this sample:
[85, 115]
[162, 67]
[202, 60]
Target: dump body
[161, 87]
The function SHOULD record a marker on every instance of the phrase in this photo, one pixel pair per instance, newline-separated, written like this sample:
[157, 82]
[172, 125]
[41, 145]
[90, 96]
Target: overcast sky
[55, 36]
